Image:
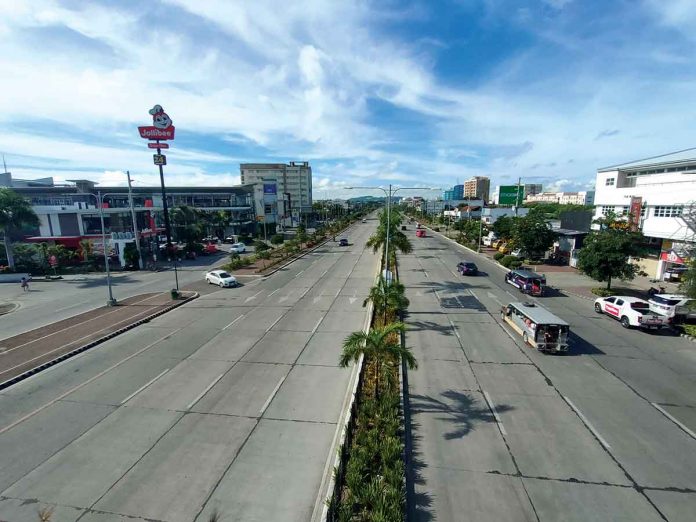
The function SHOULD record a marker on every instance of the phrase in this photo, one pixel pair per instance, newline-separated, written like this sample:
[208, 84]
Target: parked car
[343, 242]
[504, 248]
[677, 308]
[496, 244]
[420, 232]
[467, 268]
[630, 311]
[221, 278]
[364, 220]
[229, 239]
[238, 248]
[489, 240]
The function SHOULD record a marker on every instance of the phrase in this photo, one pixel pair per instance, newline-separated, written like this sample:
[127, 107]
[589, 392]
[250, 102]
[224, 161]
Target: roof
[569, 232]
[527, 273]
[538, 313]
[680, 156]
[671, 296]
[627, 298]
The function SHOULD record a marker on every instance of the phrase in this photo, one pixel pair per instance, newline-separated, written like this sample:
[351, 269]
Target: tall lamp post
[390, 193]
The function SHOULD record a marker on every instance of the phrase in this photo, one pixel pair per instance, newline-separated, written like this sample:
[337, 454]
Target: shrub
[688, 329]
[277, 239]
[516, 263]
[507, 261]
[498, 256]
[260, 246]
[602, 292]
[534, 261]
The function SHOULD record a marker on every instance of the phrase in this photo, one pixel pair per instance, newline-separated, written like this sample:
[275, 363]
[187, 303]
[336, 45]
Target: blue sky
[422, 93]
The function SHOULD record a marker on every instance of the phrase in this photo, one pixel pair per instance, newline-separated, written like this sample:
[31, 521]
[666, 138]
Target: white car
[221, 278]
[672, 305]
[239, 248]
[630, 311]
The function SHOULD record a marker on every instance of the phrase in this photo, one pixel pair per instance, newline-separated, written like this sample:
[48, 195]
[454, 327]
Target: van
[538, 327]
[526, 281]
[489, 239]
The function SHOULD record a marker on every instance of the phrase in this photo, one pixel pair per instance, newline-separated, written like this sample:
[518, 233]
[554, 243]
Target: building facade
[658, 195]
[586, 197]
[532, 189]
[477, 187]
[293, 186]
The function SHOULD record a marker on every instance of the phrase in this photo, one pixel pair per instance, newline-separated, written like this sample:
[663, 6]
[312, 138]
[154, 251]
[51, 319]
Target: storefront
[672, 265]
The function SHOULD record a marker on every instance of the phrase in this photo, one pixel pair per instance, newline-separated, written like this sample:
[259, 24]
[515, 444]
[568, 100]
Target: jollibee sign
[161, 128]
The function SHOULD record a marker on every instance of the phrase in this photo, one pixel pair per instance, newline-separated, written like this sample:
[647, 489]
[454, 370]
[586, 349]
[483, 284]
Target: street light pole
[111, 301]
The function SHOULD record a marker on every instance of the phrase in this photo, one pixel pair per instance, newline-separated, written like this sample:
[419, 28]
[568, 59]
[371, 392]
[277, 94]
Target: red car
[420, 232]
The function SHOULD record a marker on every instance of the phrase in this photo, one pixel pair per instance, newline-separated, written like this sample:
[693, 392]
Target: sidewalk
[30, 352]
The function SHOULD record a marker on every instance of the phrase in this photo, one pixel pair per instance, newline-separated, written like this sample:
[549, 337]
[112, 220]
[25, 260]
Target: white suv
[672, 305]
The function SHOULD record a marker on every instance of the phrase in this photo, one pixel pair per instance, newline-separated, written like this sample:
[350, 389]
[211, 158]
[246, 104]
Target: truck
[631, 312]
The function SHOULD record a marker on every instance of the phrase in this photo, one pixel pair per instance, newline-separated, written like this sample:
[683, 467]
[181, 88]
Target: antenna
[4, 165]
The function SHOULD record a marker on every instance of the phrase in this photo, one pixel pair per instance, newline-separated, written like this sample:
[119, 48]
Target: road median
[28, 353]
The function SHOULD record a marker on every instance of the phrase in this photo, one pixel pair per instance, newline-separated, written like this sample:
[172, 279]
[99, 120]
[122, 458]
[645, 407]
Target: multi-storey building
[585, 197]
[532, 189]
[477, 187]
[658, 195]
[291, 181]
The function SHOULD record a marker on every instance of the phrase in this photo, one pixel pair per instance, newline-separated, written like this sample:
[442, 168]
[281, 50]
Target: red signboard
[634, 217]
[153, 133]
[158, 145]
[672, 257]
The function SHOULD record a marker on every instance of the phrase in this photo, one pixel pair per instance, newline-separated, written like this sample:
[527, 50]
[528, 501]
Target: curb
[92, 344]
[579, 295]
[13, 307]
[688, 337]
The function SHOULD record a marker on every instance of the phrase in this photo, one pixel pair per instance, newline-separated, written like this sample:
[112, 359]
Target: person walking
[25, 284]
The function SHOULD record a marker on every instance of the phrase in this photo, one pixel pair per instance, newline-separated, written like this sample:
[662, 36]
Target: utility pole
[111, 301]
[517, 195]
[136, 234]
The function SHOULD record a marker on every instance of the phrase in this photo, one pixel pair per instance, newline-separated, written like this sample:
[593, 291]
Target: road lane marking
[324, 273]
[426, 273]
[587, 423]
[304, 293]
[252, 297]
[509, 334]
[207, 389]
[437, 295]
[338, 292]
[298, 274]
[474, 295]
[454, 328]
[318, 323]
[75, 388]
[495, 413]
[273, 323]
[492, 296]
[270, 397]
[237, 319]
[273, 292]
[71, 306]
[136, 392]
[675, 421]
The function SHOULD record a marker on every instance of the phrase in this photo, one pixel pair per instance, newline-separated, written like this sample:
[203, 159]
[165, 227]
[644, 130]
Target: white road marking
[298, 274]
[338, 292]
[495, 413]
[509, 334]
[252, 297]
[351, 300]
[492, 296]
[274, 291]
[274, 323]
[324, 273]
[437, 295]
[318, 323]
[136, 392]
[454, 328]
[474, 295]
[304, 293]
[71, 306]
[270, 397]
[510, 293]
[426, 273]
[237, 319]
[207, 389]
[675, 421]
[587, 423]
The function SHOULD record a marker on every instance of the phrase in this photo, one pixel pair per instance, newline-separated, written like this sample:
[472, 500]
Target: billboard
[269, 188]
[511, 195]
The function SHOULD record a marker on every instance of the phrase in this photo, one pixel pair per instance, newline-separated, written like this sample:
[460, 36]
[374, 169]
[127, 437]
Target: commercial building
[564, 198]
[658, 196]
[69, 212]
[477, 187]
[532, 189]
[491, 215]
[456, 192]
[293, 184]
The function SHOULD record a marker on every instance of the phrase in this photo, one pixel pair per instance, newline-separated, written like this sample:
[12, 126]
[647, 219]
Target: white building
[291, 181]
[662, 193]
[586, 197]
[491, 215]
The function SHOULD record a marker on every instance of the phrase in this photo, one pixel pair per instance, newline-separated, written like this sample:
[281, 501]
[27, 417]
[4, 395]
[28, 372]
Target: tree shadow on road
[424, 326]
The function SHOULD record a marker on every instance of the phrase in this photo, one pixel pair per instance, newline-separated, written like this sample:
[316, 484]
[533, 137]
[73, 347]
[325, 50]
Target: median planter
[175, 293]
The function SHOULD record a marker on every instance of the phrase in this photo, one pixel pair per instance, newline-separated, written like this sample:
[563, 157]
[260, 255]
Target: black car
[467, 268]
[343, 242]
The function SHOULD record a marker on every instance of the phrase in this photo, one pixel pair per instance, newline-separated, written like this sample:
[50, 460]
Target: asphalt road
[229, 403]
[502, 432]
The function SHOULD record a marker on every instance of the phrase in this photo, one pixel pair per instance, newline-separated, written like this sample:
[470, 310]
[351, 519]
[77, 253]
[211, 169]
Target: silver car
[221, 278]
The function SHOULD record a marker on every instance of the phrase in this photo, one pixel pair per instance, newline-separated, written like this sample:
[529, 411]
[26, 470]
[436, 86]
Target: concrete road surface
[502, 432]
[230, 404]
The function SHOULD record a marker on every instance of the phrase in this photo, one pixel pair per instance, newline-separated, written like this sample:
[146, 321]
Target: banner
[269, 188]
[634, 212]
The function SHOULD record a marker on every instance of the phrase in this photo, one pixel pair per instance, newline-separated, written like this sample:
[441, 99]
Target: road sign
[160, 159]
[158, 145]
[511, 195]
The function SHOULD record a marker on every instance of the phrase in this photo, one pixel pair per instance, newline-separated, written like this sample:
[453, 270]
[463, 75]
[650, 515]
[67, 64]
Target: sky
[413, 93]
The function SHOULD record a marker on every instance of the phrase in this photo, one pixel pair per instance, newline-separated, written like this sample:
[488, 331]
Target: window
[606, 210]
[643, 212]
[668, 211]
[610, 181]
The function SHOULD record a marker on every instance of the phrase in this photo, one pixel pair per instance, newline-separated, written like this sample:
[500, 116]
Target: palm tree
[381, 345]
[397, 239]
[387, 297]
[15, 214]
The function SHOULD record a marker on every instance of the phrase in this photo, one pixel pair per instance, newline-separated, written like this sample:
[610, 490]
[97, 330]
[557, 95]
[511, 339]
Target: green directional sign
[511, 195]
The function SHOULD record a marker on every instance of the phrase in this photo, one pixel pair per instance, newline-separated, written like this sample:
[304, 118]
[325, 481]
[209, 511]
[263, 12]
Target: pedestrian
[25, 284]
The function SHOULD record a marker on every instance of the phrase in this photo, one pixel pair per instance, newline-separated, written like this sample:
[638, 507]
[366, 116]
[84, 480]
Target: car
[420, 232]
[221, 278]
[467, 268]
[343, 242]
[238, 248]
[403, 227]
[676, 308]
[630, 311]
[229, 239]
[364, 220]
[497, 243]
[526, 281]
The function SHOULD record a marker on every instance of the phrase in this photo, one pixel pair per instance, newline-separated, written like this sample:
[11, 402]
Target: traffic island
[31, 352]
